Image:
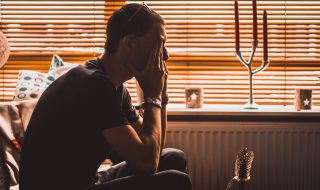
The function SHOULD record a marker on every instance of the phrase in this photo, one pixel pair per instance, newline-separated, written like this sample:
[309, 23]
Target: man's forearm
[150, 133]
[138, 125]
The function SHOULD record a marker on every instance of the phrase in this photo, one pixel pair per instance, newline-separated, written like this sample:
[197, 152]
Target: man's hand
[152, 78]
[165, 86]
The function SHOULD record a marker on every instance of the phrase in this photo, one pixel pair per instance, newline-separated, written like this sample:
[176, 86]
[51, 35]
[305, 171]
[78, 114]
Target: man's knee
[174, 159]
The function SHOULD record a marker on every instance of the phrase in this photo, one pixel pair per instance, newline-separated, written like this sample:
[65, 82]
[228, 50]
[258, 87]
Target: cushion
[56, 62]
[31, 84]
[58, 67]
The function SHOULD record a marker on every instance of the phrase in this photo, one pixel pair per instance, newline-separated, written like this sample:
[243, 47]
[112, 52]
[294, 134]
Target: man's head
[133, 31]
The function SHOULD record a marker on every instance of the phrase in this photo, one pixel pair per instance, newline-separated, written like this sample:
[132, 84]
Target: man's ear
[127, 43]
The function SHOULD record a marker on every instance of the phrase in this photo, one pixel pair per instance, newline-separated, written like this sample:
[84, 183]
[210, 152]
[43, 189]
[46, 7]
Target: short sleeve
[127, 107]
[102, 104]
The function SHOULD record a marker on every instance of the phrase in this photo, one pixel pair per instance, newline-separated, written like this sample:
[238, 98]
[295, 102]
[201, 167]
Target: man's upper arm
[121, 136]
[102, 104]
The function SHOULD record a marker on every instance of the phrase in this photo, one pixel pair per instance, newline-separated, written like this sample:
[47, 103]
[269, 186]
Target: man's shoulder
[89, 71]
[79, 80]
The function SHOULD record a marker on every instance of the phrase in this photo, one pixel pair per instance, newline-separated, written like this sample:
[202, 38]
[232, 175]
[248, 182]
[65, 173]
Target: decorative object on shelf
[303, 99]
[242, 168]
[251, 105]
[4, 49]
[194, 98]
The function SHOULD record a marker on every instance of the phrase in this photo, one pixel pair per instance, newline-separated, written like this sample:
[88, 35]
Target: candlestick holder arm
[253, 50]
[264, 65]
[241, 59]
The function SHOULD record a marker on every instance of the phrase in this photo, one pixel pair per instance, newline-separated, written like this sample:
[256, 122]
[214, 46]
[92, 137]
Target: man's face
[144, 45]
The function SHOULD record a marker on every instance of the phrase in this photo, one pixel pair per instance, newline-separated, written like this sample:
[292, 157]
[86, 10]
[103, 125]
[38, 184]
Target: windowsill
[237, 109]
[267, 113]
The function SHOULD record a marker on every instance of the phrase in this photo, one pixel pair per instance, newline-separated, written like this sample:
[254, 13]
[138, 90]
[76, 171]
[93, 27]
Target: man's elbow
[149, 160]
[151, 168]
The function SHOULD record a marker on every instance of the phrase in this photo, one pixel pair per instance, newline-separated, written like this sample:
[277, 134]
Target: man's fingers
[160, 64]
[150, 62]
[152, 57]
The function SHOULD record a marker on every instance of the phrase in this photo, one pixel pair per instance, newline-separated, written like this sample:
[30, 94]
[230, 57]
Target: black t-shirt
[63, 145]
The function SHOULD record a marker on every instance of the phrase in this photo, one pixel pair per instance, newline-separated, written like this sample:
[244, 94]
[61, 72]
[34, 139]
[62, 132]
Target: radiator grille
[286, 155]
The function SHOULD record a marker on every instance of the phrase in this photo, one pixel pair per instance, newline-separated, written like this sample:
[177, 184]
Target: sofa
[14, 118]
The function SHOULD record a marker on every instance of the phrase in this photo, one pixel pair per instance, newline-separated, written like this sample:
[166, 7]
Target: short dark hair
[134, 19]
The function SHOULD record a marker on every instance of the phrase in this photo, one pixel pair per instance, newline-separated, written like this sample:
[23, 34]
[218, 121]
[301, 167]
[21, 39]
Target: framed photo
[303, 99]
[194, 98]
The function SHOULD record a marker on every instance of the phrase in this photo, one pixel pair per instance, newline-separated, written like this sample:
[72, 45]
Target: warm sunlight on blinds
[36, 30]
[200, 41]
[201, 45]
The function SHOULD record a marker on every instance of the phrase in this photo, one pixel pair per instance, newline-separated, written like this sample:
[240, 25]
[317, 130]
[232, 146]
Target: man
[87, 113]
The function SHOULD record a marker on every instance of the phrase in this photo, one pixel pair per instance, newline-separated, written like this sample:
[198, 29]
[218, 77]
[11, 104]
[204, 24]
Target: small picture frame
[194, 97]
[303, 99]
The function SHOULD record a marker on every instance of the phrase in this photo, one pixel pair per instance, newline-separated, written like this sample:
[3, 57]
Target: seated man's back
[63, 144]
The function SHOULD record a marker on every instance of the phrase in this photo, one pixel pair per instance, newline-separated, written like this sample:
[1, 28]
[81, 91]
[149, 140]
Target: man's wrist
[152, 101]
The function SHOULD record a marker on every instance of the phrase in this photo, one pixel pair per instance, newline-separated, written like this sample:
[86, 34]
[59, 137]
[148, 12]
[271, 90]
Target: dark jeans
[171, 175]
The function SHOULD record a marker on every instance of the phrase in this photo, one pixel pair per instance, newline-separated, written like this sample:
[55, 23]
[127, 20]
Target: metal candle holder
[251, 105]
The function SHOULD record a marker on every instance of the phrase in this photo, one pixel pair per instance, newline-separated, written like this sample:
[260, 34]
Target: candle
[236, 25]
[255, 24]
[265, 36]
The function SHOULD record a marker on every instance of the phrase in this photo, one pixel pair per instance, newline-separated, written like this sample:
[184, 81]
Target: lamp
[4, 49]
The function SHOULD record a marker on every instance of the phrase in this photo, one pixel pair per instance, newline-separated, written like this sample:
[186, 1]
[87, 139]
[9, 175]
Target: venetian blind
[201, 45]
[200, 42]
[74, 30]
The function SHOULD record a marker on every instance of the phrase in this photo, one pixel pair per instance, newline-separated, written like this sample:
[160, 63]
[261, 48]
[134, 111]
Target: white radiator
[287, 155]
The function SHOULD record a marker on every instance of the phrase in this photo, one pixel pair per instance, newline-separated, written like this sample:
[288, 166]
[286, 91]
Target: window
[75, 30]
[200, 43]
